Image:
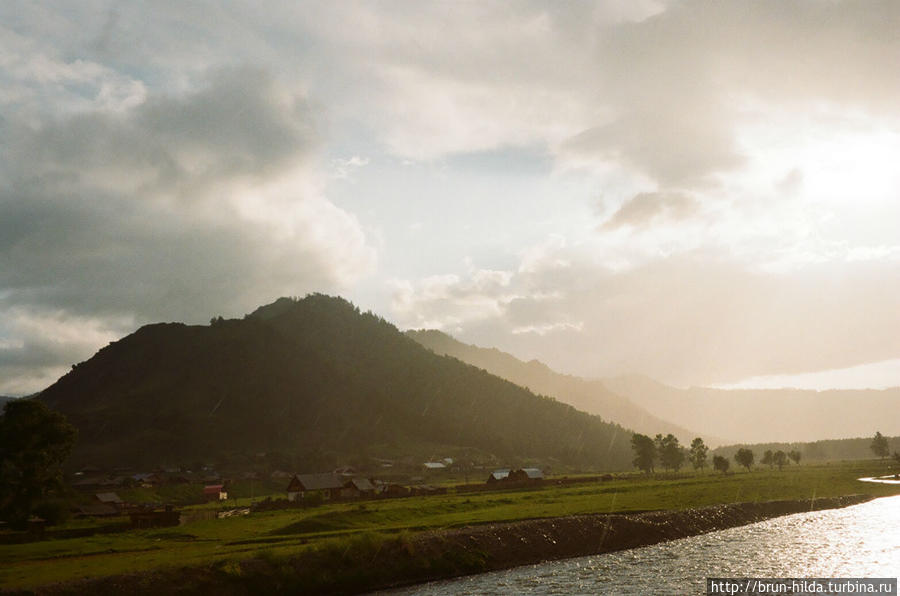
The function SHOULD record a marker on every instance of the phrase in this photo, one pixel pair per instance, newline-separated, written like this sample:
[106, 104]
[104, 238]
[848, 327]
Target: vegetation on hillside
[590, 396]
[302, 376]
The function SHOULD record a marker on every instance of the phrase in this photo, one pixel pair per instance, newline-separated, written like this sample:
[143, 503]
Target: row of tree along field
[666, 452]
[820, 451]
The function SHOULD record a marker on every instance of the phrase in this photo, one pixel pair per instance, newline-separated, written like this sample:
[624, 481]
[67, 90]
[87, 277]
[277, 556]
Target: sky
[703, 192]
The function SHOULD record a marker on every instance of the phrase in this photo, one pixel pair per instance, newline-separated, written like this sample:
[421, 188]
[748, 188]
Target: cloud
[791, 183]
[660, 88]
[648, 207]
[662, 93]
[180, 208]
[47, 343]
[446, 301]
[239, 124]
[683, 82]
[689, 319]
[742, 149]
[343, 168]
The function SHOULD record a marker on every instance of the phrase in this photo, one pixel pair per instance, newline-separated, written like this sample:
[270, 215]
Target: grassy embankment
[318, 536]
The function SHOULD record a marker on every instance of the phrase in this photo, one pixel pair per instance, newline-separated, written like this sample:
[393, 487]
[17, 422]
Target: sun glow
[822, 185]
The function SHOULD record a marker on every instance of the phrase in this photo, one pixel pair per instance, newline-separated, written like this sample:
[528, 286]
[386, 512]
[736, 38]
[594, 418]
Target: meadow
[289, 533]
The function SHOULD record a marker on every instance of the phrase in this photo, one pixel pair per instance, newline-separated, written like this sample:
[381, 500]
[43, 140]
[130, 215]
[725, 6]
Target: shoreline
[529, 542]
[378, 562]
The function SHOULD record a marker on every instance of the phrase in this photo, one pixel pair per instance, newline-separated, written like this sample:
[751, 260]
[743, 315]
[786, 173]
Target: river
[858, 541]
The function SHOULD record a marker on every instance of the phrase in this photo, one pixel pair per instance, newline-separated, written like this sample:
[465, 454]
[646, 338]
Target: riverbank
[373, 561]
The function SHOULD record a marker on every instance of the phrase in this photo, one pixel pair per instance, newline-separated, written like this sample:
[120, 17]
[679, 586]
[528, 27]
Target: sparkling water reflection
[858, 541]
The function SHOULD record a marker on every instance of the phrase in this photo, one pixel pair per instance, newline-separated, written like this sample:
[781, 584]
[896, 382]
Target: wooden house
[96, 510]
[214, 492]
[517, 476]
[147, 480]
[110, 499]
[329, 485]
[498, 475]
[357, 488]
[392, 490]
[533, 473]
[155, 519]
[523, 475]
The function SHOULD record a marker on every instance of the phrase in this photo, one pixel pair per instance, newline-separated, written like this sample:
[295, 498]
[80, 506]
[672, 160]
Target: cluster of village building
[340, 484]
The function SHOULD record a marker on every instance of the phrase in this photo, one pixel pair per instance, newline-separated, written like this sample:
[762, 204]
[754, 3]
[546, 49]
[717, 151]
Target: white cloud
[342, 168]
[648, 207]
[745, 145]
[686, 320]
[47, 342]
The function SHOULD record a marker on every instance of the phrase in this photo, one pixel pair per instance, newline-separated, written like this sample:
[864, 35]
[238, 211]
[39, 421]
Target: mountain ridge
[308, 375]
[588, 395]
[769, 415]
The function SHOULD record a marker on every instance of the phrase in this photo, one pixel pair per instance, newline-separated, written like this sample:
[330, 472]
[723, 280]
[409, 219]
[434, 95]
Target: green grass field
[278, 533]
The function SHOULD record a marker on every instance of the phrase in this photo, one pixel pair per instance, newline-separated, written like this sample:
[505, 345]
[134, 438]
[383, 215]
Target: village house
[95, 510]
[111, 499]
[498, 475]
[144, 518]
[531, 474]
[95, 483]
[357, 488]
[147, 480]
[517, 476]
[391, 489]
[328, 485]
[215, 492]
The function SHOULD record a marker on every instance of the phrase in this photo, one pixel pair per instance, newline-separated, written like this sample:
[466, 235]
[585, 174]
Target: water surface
[858, 541]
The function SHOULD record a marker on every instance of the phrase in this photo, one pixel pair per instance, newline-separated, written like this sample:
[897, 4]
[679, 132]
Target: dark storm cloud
[134, 214]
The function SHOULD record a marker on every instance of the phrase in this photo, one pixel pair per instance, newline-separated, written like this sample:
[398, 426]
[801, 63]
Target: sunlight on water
[858, 541]
[883, 479]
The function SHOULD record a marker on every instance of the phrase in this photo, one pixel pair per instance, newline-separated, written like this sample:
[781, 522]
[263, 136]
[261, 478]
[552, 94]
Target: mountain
[768, 415]
[587, 395]
[307, 376]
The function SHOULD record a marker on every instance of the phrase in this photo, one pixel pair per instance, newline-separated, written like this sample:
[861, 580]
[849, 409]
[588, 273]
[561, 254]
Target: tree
[644, 452]
[670, 453]
[880, 446]
[897, 457]
[720, 463]
[744, 457]
[698, 453]
[34, 443]
[779, 458]
[768, 458]
[794, 455]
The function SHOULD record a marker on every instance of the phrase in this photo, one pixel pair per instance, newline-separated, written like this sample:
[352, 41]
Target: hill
[768, 415]
[584, 394]
[305, 377]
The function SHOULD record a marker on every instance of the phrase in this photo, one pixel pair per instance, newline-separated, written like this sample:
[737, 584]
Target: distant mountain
[308, 376]
[768, 415]
[4, 399]
[587, 395]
